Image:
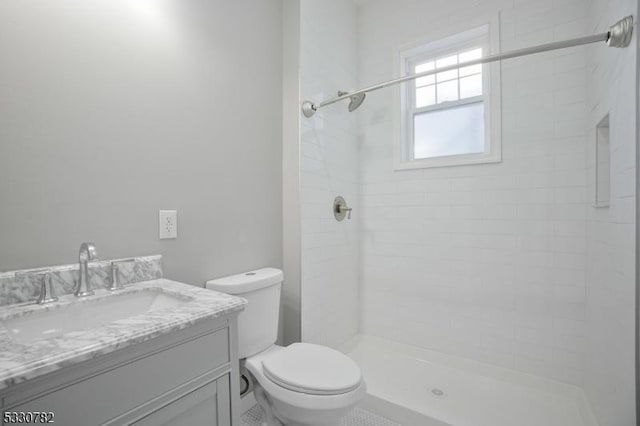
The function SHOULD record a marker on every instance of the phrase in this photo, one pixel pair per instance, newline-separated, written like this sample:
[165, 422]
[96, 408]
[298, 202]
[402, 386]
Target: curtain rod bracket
[620, 33]
[309, 108]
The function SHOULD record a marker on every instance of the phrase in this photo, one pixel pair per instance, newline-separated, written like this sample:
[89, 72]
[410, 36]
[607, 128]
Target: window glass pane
[448, 91]
[445, 62]
[425, 96]
[423, 81]
[430, 79]
[452, 131]
[470, 55]
[471, 86]
[473, 69]
[427, 66]
[447, 75]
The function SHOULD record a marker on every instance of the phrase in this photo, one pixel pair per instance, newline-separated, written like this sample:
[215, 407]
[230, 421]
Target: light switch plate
[168, 224]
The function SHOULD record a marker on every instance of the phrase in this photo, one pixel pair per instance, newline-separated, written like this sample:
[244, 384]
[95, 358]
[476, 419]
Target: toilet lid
[312, 369]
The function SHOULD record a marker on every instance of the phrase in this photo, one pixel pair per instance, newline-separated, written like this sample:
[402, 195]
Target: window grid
[452, 117]
[428, 88]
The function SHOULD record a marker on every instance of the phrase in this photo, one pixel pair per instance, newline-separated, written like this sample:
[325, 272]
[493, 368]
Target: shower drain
[438, 393]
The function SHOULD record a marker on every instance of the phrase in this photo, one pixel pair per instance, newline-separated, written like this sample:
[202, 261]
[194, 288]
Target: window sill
[452, 161]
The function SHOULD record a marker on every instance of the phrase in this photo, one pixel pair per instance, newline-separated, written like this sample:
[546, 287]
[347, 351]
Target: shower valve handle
[340, 209]
[345, 209]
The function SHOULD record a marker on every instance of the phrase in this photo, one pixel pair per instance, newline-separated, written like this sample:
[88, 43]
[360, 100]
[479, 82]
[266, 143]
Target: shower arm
[619, 35]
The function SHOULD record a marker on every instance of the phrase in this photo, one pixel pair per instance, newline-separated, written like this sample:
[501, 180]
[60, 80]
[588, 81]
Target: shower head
[356, 101]
[309, 108]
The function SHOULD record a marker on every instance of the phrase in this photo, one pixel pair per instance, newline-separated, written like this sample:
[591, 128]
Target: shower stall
[499, 290]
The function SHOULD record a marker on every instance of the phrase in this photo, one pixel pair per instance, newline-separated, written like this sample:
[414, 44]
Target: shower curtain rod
[619, 35]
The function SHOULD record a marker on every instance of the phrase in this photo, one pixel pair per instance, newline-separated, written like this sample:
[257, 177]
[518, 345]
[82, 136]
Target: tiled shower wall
[329, 167]
[610, 331]
[485, 261]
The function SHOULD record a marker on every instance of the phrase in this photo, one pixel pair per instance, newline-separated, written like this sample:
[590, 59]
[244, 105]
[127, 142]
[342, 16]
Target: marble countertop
[20, 362]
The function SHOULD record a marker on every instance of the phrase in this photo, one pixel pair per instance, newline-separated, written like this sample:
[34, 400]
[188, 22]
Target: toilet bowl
[302, 384]
[305, 384]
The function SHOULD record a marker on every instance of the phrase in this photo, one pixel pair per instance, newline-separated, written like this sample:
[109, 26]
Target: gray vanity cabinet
[183, 378]
[207, 405]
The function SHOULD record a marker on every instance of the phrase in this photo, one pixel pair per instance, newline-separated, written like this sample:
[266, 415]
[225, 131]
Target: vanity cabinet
[183, 378]
[207, 405]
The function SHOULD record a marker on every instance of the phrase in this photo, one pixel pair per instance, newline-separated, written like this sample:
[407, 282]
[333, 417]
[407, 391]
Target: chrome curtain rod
[619, 35]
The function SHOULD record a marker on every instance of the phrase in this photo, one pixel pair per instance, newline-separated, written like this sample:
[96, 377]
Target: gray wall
[113, 109]
[290, 311]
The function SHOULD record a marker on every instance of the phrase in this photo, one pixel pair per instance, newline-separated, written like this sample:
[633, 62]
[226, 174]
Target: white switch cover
[168, 224]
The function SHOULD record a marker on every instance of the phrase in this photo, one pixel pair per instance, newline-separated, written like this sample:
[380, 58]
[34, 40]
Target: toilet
[302, 384]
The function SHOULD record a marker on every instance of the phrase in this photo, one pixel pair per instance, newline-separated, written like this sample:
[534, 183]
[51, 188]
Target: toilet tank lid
[247, 281]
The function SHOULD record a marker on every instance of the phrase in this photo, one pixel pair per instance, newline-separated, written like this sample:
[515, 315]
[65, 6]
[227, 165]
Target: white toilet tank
[258, 323]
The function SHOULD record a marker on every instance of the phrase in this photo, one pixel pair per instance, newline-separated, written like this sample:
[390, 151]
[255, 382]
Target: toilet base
[263, 402]
[277, 413]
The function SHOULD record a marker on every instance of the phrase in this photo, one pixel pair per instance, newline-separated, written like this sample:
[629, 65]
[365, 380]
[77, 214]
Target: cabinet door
[208, 405]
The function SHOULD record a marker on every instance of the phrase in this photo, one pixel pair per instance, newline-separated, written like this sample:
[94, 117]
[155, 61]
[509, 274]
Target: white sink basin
[88, 314]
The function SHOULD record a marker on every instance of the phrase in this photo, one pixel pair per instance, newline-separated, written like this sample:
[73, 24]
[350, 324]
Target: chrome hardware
[115, 268]
[309, 108]
[340, 209]
[355, 100]
[87, 253]
[47, 294]
[619, 34]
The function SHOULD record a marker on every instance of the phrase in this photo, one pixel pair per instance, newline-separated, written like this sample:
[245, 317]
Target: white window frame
[486, 36]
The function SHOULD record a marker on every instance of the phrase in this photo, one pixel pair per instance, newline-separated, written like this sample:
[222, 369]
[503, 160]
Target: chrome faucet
[87, 254]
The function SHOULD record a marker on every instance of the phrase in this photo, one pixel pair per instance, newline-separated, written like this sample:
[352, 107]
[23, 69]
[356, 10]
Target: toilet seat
[295, 405]
[312, 369]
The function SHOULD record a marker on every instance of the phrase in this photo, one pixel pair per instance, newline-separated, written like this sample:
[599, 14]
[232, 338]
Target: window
[450, 117]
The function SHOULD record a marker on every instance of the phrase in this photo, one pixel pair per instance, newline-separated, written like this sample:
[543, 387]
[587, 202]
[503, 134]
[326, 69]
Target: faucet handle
[47, 293]
[115, 268]
[346, 209]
